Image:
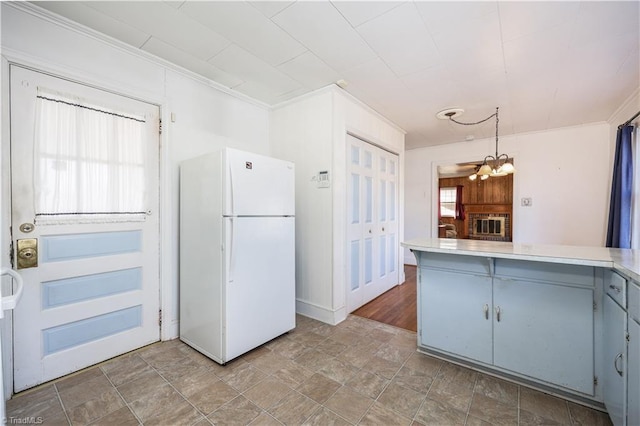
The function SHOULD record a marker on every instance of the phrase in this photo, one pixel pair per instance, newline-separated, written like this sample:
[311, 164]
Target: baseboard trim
[321, 313]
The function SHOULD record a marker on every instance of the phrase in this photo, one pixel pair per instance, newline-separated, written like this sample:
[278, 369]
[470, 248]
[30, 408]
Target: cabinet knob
[486, 311]
[615, 288]
[498, 313]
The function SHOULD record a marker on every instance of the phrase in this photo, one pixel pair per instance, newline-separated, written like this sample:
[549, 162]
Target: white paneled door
[372, 221]
[85, 225]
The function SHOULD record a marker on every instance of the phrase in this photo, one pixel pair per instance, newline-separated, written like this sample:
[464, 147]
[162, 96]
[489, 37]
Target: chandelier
[492, 165]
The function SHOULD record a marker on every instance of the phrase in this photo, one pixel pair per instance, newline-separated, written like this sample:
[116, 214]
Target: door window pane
[383, 200]
[383, 255]
[368, 260]
[367, 159]
[392, 251]
[355, 264]
[368, 189]
[89, 159]
[383, 164]
[392, 200]
[355, 155]
[355, 198]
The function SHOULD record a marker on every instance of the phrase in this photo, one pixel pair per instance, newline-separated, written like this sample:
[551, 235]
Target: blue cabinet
[568, 324]
[453, 323]
[545, 331]
[530, 319]
[633, 376]
[615, 319]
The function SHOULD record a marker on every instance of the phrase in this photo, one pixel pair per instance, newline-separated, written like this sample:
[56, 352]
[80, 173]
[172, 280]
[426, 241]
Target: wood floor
[397, 306]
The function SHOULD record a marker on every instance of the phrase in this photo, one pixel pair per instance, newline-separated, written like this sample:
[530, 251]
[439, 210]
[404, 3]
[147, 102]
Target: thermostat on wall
[323, 179]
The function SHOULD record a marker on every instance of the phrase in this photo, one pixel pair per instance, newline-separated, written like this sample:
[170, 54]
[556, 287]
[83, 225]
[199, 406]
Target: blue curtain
[619, 229]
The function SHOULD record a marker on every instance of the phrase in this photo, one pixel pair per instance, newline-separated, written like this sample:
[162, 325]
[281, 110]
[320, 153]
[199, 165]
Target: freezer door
[260, 281]
[258, 185]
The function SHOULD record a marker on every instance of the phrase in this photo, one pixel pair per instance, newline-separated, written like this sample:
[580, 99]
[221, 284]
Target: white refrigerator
[237, 252]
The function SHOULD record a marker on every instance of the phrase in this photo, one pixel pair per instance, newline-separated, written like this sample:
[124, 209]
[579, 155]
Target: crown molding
[70, 25]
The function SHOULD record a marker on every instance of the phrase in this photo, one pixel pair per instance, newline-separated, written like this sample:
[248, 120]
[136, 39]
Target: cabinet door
[614, 350]
[456, 313]
[633, 375]
[545, 331]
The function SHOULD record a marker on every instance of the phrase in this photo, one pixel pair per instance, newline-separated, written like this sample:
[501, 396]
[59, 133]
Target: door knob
[27, 253]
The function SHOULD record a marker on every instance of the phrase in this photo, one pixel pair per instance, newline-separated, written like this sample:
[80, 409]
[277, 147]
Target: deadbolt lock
[27, 227]
[27, 253]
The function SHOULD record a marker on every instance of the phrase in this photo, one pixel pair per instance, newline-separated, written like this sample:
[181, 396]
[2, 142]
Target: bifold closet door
[372, 218]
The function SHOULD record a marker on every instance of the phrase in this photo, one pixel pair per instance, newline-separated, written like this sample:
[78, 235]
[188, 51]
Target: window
[91, 160]
[448, 202]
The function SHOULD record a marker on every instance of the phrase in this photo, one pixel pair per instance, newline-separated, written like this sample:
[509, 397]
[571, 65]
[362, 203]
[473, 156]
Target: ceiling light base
[448, 113]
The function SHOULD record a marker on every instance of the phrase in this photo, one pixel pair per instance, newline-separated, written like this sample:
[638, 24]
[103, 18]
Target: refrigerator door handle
[230, 188]
[231, 256]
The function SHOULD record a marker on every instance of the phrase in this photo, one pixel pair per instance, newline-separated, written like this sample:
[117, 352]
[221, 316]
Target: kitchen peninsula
[564, 319]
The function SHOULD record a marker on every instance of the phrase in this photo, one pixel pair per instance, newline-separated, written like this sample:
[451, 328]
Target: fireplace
[490, 226]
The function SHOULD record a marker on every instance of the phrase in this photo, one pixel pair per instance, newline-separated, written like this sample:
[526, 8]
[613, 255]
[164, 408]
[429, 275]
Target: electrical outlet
[526, 202]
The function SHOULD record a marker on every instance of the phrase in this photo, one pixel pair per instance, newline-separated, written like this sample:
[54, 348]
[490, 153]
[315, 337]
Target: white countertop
[624, 260]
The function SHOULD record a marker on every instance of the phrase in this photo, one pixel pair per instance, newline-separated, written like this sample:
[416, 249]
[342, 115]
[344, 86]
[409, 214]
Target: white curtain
[89, 161]
[635, 194]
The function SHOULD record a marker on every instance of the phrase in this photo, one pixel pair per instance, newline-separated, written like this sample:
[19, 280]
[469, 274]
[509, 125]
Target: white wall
[565, 171]
[207, 118]
[311, 131]
[301, 132]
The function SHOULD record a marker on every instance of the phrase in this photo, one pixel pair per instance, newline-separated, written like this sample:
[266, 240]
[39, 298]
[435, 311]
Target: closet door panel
[372, 222]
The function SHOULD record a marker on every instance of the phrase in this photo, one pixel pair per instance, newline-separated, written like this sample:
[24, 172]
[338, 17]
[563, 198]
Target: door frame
[435, 191]
[169, 325]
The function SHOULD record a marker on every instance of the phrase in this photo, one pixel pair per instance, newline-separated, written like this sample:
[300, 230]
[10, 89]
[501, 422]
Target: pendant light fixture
[492, 165]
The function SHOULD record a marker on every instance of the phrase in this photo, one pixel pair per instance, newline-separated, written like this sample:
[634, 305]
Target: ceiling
[545, 64]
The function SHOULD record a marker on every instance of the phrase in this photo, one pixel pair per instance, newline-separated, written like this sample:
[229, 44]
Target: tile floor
[359, 372]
